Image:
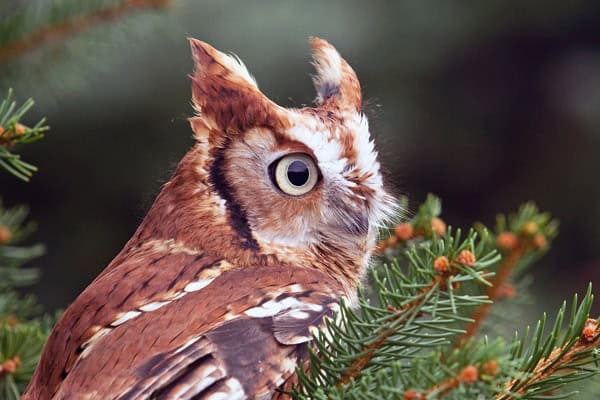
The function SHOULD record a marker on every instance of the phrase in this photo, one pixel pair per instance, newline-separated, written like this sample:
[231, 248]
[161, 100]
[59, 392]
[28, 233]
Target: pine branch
[407, 339]
[22, 332]
[527, 232]
[13, 230]
[424, 225]
[13, 133]
[506, 267]
[416, 310]
[563, 357]
[473, 369]
[20, 347]
[62, 28]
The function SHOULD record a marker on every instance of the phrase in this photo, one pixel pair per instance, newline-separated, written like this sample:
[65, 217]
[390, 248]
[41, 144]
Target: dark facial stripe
[237, 216]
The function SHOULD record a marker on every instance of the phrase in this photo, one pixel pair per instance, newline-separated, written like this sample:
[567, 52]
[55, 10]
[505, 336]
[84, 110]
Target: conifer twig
[445, 269]
[508, 264]
[467, 375]
[385, 332]
[557, 362]
[13, 133]
[525, 232]
[74, 25]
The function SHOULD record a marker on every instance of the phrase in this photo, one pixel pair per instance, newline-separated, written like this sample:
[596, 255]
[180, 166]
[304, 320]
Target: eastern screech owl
[267, 221]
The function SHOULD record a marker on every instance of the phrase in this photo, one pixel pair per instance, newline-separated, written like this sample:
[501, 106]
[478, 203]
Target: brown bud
[469, 375]
[530, 228]
[441, 264]
[491, 368]
[507, 240]
[438, 226]
[392, 241]
[9, 366]
[590, 330]
[412, 395]
[1, 130]
[539, 241]
[404, 231]
[17, 361]
[465, 257]
[20, 129]
[5, 234]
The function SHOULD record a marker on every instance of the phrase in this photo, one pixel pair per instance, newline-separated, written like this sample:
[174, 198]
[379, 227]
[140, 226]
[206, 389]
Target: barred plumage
[215, 295]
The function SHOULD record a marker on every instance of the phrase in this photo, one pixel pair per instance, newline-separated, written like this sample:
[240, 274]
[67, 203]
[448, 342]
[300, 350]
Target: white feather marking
[197, 285]
[203, 377]
[218, 396]
[289, 364]
[155, 305]
[187, 344]
[89, 344]
[328, 64]
[272, 307]
[235, 391]
[229, 316]
[314, 307]
[267, 309]
[327, 151]
[125, 317]
[178, 295]
[235, 64]
[298, 314]
[295, 288]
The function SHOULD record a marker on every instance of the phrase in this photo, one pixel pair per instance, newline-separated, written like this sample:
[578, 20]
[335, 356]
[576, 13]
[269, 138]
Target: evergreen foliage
[23, 330]
[13, 133]
[29, 26]
[430, 324]
[414, 333]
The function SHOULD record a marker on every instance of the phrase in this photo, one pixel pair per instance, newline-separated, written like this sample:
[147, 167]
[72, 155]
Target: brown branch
[504, 271]
[384, 333]
[589, 339]
[468, 375]
[74, 25]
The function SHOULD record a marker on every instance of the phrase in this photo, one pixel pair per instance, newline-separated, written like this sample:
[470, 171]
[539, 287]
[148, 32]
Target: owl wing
[207, 327]
[246, 357]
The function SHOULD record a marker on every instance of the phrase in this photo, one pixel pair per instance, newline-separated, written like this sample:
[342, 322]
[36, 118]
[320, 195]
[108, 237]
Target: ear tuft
[335, 81]
[225, 96]
[210, 61]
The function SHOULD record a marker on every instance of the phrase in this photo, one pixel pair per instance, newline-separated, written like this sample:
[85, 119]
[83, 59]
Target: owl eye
[295, 174]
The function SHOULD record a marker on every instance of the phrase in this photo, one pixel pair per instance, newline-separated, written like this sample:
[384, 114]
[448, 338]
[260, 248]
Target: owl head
[301, 186]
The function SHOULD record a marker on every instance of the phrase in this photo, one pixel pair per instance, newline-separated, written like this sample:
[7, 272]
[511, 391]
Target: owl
[268, 220]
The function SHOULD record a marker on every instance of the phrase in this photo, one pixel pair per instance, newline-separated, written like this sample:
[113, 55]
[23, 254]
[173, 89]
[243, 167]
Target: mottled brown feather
[218, 288]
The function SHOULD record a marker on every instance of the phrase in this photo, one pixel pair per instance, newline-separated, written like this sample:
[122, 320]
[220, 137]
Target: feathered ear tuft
[336, 82]
[210, 61]
[224, 93]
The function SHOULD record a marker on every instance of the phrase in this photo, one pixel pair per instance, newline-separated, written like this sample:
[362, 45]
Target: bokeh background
[487, 104]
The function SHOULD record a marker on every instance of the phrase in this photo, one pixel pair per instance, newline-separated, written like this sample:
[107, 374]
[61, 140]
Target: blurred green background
[487, 104]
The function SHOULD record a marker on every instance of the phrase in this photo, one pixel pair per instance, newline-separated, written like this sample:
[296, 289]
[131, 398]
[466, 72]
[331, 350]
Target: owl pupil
[298, 173]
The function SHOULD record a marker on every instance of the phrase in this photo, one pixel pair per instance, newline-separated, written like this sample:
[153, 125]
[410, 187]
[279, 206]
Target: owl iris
[296, 174]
